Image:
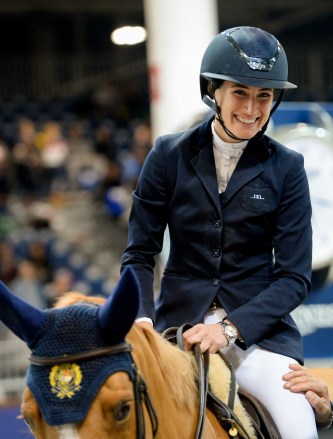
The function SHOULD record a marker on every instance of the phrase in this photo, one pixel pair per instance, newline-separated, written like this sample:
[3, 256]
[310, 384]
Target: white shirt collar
[229, 149]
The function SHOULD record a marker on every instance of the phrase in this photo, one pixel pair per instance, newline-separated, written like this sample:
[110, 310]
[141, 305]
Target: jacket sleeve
[291, 282]
[147, 223]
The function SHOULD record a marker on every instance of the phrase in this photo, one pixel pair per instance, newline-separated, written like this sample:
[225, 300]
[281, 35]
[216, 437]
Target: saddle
[262, 425]
[261, 419]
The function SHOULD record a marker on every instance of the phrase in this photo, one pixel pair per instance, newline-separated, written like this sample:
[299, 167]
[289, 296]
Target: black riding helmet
[245, 55]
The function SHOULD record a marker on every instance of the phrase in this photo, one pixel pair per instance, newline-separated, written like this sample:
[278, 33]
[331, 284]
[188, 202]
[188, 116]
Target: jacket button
[216, 252]
[216, 282]
[217, 224]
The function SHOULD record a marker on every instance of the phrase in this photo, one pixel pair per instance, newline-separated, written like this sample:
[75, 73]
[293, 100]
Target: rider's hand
[145, 324]
[210, 337]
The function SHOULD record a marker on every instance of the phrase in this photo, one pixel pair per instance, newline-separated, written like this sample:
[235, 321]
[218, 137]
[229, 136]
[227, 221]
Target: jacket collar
[248, 167]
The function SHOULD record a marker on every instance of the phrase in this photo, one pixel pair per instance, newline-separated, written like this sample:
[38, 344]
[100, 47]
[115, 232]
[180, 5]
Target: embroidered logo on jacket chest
[257, 199]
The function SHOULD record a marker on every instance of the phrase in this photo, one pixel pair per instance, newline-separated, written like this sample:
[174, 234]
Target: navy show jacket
[249, 249]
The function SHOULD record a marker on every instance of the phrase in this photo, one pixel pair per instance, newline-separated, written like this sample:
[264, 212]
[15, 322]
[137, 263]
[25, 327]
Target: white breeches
[259, 372]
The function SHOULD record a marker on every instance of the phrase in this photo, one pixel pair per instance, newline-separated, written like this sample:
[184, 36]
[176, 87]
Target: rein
[175, 335]
[223, 412]
[202, 361]
[141, 394]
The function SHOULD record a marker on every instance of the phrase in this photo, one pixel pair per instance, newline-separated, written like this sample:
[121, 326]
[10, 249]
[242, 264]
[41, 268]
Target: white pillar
[178, 34]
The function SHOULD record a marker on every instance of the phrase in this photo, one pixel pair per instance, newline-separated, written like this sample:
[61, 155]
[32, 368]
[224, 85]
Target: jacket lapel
[248, 168]
[203, 162]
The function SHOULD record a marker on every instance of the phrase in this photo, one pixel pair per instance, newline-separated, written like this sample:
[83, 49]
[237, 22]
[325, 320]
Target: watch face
[316, 145]
[229, 330]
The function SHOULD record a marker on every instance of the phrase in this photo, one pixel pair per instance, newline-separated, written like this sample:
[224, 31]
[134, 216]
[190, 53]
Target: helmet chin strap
[259, 133]
[226, 130]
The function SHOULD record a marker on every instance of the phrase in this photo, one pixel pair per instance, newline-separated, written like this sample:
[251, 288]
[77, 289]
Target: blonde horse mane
[73, 297]
[176, 368]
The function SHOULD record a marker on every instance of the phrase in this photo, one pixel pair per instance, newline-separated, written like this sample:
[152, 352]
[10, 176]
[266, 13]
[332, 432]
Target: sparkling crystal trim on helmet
[255, 63]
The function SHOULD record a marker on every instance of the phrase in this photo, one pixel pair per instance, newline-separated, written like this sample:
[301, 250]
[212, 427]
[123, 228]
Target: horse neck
[172, 391]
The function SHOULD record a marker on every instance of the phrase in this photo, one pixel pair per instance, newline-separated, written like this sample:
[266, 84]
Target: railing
[62, 75]
[13, 365]
[312, 70]
[58, 75]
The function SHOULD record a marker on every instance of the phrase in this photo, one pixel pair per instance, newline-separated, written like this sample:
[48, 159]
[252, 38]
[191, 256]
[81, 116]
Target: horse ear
[117, 314]
[22, 318]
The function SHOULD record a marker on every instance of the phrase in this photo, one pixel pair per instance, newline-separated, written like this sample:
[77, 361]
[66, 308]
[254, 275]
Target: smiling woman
[235, 202]
[244, 110]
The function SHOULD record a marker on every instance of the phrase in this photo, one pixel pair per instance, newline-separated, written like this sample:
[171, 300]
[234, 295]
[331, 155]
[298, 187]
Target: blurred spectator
[104, 141]
[61, 283]
[113, 175]
[54, 151]
[136, 98]
[133, 160]
[142, 135]
[6, 176]
[27, 161]
[85, 168]
[38, 255]
[7, 262]
[108, 101]
[27, 285]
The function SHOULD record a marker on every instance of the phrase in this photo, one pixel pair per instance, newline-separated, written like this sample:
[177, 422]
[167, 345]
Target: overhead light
[129, 35]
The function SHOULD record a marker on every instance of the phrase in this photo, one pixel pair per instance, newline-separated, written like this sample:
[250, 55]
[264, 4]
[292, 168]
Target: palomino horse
[86, 382]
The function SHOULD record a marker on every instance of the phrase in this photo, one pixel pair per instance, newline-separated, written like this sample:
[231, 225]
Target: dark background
[62, 49]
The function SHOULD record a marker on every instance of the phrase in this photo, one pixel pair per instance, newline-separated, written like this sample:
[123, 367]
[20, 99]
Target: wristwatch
[229, 332]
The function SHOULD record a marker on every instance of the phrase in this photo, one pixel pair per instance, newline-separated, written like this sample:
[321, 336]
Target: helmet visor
[254, 81]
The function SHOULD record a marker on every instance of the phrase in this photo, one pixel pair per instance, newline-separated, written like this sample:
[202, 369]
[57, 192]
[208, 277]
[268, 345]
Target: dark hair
[212, 86]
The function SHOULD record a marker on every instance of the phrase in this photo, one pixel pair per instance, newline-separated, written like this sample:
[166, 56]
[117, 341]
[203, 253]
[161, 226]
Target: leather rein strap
[141, 393]
[139, 386]
[202, 361]
[223, 412]
[81, 356]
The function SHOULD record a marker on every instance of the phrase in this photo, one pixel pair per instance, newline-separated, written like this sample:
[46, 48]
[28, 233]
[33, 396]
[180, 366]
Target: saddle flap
[262, 420]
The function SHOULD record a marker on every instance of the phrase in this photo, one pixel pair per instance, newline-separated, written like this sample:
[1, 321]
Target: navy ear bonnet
[64, 392]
